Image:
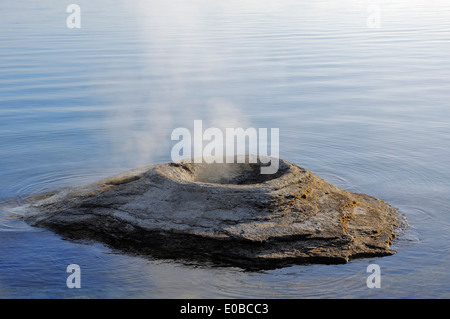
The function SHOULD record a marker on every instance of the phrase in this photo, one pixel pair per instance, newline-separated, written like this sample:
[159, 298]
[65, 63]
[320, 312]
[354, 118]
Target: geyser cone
[223, 213]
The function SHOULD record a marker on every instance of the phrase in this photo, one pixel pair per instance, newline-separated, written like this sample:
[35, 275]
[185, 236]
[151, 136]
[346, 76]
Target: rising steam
[173, 53]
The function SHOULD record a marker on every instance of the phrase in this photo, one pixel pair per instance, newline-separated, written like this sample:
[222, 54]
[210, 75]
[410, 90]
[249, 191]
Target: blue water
[368, 109]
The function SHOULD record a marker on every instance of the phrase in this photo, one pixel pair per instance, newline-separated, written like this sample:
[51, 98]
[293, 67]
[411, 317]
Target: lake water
[359, 89]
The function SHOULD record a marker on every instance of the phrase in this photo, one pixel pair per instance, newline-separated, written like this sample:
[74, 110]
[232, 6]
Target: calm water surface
[368, 109]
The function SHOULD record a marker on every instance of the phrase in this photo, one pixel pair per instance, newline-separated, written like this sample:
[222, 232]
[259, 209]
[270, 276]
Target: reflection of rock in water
[223, 213]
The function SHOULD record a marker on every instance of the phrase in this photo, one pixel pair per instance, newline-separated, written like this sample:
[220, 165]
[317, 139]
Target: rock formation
[227, 214]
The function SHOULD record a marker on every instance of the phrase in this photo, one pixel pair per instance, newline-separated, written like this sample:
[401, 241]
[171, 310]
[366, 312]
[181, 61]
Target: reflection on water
[366, 109]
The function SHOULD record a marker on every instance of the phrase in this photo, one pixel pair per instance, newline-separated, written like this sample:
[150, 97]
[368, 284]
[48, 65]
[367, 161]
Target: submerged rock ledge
[227, 214]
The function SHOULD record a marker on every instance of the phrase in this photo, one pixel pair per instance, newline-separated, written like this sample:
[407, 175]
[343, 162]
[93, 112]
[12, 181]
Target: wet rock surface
[226, 214]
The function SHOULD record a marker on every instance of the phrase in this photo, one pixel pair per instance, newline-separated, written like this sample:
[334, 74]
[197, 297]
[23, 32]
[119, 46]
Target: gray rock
[228, 214]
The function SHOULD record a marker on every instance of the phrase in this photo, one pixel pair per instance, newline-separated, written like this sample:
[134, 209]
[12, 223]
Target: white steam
[173, 50]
